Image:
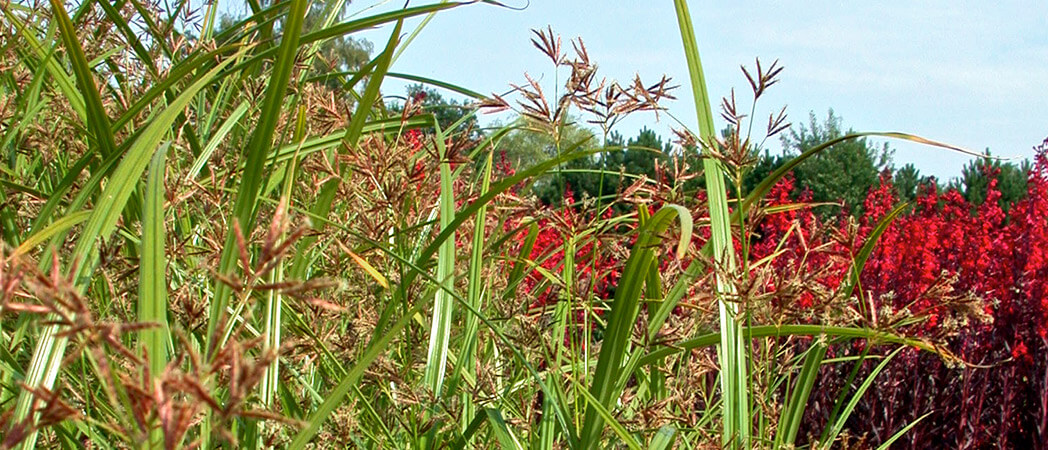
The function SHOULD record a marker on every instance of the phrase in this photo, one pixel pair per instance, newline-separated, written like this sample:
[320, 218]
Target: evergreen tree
[339, 54]
[845, 171]
[766, 164]
[447, 111]
[976, 175]
[907, 180]
[525, 146]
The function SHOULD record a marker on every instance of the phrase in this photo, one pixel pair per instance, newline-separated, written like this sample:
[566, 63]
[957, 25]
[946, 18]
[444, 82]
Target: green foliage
[527, 145]
[733, 351]
[447, 111]
[766, 164]
[907, 179]
[297, 260]
[640, 155]
[976, 175]
[602, 176]
[341, 53]
[845, 171]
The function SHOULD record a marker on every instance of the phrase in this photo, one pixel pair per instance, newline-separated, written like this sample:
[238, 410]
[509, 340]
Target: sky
[970, 73]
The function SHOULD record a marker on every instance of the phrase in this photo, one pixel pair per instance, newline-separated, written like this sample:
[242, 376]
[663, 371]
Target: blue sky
[970, 73]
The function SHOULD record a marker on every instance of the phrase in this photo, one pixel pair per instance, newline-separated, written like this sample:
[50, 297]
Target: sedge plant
[208, 244]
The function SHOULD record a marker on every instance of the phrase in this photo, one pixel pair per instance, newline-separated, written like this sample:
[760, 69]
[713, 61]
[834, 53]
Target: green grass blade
[56, 227]
[617, 427]
[468, 433]
[331, 140]
[835, 430]
[697, 266]
[216, 140]
[376, 20]
[258, 147]
[664, 438]
[356, 26]
[332, 12]
[63, 81]
[19, 188]
[763, 331]
[97, 120]
[887, 444]
[867, 249]
[251, 24]
[547, 428]
[68, 179]
[152, 288]
[371, 91]
[50, 348]
[403, 76]
[842, 395]
[443, 307]
[502, 432]
[129, 35]
[335, 397]
[516, 275]
[474, 295]
[793, 412]
[732, 350]
[556, 407]
[623, 315]
[192, 64]
[468, 211]
[273, 320]
[348, 139]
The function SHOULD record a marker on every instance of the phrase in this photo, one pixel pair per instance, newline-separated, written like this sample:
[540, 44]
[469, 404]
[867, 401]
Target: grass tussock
[212, 238]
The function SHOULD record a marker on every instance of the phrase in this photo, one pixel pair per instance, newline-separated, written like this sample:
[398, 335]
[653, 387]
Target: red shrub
[981, 252]
[941, 256]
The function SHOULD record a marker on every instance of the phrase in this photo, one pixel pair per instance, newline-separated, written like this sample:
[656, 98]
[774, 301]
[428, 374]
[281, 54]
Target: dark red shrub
[942, 251]
[977, 276]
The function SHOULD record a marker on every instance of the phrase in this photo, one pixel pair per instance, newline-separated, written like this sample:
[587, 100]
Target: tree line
[842, 174]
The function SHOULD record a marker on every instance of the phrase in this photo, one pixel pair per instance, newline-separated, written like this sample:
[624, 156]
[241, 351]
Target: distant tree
[615, 139]
[637, 156]
[339, 54]
[844, 171]
[643, 152]
[976, 175]
[766, 164]
[600, 175]
[609, 165]
[907, 180]
[527, 146]
[447, 111]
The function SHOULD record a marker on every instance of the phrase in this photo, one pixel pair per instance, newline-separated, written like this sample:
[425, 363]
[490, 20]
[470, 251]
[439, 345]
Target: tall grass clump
[211, 240]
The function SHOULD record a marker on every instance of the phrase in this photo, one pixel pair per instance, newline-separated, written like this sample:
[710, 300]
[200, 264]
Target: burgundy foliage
[938, 251]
